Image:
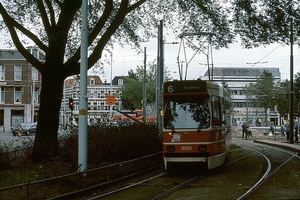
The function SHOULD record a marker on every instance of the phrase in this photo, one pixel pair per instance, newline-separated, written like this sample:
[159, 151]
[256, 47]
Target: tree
[282, 97]
[132, 91]
[53, 26]
[297, 86]
[263, 22]
[263, 91]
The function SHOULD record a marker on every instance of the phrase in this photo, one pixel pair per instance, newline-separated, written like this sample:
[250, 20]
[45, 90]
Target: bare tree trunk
[46, 141]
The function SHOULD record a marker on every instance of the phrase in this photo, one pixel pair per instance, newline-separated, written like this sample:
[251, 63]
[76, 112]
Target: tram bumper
[175, 160]
[209, 162]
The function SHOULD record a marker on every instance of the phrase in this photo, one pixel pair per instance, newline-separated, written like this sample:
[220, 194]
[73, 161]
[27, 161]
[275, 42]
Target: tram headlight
[202, 148]
[170, 148]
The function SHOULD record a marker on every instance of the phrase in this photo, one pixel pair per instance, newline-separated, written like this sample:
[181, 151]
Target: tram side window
[223, 109]
[216, 111]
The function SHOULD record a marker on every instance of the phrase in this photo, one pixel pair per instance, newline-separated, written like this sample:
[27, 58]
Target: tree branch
[51, 12]
[92, 36]
[12, 25]
[44, 17]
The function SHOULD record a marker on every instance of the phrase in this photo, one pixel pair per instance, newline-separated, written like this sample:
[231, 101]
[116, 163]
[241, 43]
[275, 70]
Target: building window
[216, 110]
[102, 95]
[35, 97]
[102, 106]
[2, 73]
[2, 95]
[18, 73]
[1, 117]
[95, 95]
[34, 74]
[17, 117]
[18, 94]
[120, 82]
[92, 81]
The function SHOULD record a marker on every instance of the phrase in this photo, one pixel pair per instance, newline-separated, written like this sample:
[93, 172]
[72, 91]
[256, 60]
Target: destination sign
[193, 86]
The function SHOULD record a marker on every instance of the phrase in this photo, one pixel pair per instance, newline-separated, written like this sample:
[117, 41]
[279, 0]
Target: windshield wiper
[199, 127]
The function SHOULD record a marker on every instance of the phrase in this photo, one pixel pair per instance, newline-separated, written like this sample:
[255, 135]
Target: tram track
[249, 174]
[155, 185]
[268, 173]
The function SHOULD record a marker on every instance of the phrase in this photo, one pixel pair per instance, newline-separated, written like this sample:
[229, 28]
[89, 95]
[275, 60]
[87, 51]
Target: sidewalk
[7, 137]
[278, 141]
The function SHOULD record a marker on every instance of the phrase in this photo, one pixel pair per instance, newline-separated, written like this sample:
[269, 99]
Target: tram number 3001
[186, 148]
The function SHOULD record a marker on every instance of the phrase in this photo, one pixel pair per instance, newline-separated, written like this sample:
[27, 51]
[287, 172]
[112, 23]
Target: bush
[112, 144]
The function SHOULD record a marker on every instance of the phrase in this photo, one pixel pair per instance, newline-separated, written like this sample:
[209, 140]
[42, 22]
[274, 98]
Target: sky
[271, 56]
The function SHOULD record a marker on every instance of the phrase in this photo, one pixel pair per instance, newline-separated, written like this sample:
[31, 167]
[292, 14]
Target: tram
[196, 123]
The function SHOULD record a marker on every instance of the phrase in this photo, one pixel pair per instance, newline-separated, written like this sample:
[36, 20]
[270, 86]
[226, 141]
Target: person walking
[296, 128]
[287, 129]
[244, 126]
[271, 132]
[282, 131]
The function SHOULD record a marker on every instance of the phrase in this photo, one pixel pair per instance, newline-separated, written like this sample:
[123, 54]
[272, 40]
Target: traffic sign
[110, 100]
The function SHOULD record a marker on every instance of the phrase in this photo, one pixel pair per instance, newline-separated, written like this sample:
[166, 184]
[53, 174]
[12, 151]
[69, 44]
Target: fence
[66, 183]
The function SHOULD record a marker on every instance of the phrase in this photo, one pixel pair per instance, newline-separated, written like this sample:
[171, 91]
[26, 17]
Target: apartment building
[20, 86]
[98, 108]
[237, 79]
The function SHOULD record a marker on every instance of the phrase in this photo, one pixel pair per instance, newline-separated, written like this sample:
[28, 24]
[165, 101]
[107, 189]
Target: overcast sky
[274, 55]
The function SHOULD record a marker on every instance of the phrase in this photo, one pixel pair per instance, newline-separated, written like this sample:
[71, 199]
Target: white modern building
[237, 79]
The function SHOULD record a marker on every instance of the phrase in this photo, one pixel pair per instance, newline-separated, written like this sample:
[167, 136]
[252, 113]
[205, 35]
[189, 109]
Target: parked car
[25, 127]
[32, 129]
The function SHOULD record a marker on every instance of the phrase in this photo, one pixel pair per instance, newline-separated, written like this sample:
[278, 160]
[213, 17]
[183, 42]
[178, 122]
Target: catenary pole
[291, 136]
[159, 76]
[82, 134]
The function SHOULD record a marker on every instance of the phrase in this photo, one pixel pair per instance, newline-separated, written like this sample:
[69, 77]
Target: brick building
[20, 86]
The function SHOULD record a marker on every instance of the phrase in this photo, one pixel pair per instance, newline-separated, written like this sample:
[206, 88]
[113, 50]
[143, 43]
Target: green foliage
[265, 21]
[132, 94]
[263, 91]
[268, 94]
[282, 97]
[132, 90]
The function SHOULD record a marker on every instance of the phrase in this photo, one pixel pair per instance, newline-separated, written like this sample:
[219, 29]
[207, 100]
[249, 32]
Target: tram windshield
[188, 112]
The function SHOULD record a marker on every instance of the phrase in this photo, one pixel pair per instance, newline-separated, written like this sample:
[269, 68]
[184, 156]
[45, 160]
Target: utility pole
[144, 88]
[247, 108]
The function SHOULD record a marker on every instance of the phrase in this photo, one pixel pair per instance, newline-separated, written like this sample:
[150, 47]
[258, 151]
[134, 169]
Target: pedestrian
[282, 131]
[244, 127]
[249, 132]
[271, 130]
[287, 129]
[296, 128]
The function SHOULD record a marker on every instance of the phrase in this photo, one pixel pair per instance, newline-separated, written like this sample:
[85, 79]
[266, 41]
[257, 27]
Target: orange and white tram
[196, 123]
